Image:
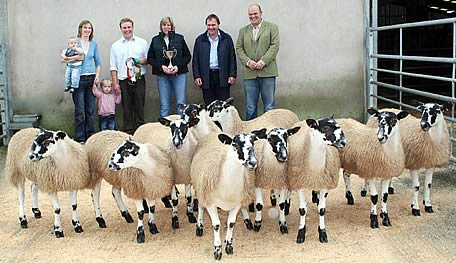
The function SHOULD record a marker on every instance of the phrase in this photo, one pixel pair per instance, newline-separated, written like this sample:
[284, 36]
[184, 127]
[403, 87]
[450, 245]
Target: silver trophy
[170, 54]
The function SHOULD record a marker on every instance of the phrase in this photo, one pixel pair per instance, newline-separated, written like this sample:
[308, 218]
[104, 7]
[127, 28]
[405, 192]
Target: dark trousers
[215, 92]
[133, 99]
[84, 109]
[107, 122]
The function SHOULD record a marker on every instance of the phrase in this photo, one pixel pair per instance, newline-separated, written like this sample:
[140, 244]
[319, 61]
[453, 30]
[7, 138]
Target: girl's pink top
[106, 102]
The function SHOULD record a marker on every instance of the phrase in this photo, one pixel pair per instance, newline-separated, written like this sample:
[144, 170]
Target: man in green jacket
[257, 47]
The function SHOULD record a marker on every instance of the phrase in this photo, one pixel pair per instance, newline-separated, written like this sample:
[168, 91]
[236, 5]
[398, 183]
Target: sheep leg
[199, 224]
[247, 222]
[259, 208]
[188, 196]
[195, 201]
[282, 219]
[391, 188]
[152, 226]
[302, 217]
[58, 231]
[96, 205]
[36, 211]
[140, 238]
[321, 218]
[374, 199]
[273, 198]
[166, 202]
[287, 202]
[384, 215]
[315, 197]
[21, 196]
[231, 221]
[117, 194]
[74, 212]
[364, 188]
[348, 193]
[416, 190]
[213, 213]
[175, 215]
[427, 190]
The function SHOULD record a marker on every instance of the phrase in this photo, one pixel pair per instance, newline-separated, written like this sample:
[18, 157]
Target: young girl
[107, 101]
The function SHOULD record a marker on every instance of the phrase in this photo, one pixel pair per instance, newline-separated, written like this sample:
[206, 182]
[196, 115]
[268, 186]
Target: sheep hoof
[322, 235]
[195, 204]
[385, 219]
[127, 216]
[315, 197]
[140, 238]
[287, 207]
[199, 230]
[251, 208]
[248, 224]
[416, 212]
[283, 228]
[166, 202]
[153, 228]
[101, 222]
[273, 201]
[58, 234]
[374, 221]
[191, 217]
[391, 190]
[301, 235]
[257, 226]
[23, 222]
[77, 226]
[349, 196]
[36, 213]
[428, 209]
[175, 222]
[217, 252]
[363, 193]
[229, 249]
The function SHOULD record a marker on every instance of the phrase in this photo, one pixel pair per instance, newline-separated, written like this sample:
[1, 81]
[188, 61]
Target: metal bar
[416, 24]
[400, 65]
[394, 102]
[416, 92]
[415, 58]
[415, 75]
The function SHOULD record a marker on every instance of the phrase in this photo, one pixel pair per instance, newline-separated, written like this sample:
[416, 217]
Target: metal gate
[372, 69]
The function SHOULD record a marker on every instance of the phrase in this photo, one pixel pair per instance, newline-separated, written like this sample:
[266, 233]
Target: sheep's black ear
[164, 121]
[42, 130]
[60, 135]
[181, 106]
[312, 123]
[373, 112]
[260, 134]
[446, 106]
[225, 138]
[229, 101]
[294, 130]
[193, 122]
[416, 103]
[402, 115]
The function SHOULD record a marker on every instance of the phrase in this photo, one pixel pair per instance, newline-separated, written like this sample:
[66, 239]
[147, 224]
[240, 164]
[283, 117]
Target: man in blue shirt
[214, 62]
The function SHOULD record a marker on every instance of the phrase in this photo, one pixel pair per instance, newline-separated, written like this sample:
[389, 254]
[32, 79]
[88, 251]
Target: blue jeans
[168, 84]
[252, 89]
[72, 75]
[107, 122]
[84, 109]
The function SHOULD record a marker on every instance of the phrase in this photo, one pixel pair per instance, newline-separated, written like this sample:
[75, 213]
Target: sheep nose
[425, 126]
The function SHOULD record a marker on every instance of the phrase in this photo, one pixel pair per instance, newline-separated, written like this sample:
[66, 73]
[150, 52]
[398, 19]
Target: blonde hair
[167, 19]
[106, 82]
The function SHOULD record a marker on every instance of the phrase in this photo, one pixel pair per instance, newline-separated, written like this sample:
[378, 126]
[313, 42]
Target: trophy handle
[174, 53]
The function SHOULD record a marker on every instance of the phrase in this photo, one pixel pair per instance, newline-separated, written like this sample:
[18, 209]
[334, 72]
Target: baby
[73, 70]
[107, 101]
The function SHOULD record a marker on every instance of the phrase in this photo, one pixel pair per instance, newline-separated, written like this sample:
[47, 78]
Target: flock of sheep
[229, 162]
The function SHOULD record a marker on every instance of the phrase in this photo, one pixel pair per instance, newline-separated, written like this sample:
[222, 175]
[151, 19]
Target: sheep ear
[293, 130]
[225, 138]
[402, 115]
[416, 103]
[229, 101]
[373, 112]
[42, 130]
[260, 134]
[164, 121]
[193, 122]
[181, 106]
[60, 135]
[312, 123]
[446, 106]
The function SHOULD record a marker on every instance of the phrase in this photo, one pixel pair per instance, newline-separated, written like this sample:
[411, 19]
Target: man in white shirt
[133, 93]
